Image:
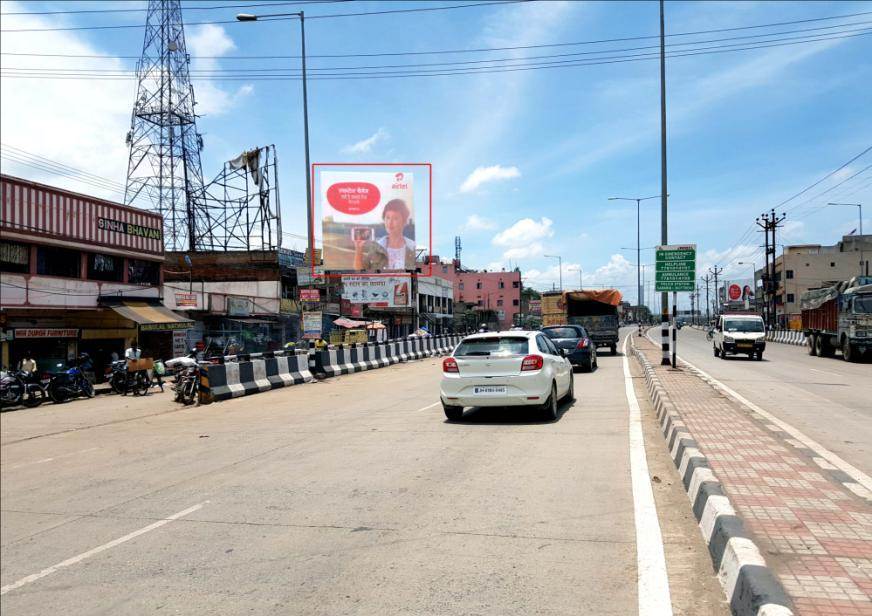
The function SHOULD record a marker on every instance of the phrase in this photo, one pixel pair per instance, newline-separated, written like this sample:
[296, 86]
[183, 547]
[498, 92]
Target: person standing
[28, 364]
[133, 351]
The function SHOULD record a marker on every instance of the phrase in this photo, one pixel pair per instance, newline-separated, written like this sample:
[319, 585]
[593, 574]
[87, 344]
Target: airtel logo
[399, 177]
[398, 181]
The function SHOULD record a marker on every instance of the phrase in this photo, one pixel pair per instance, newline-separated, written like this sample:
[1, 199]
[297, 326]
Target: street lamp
[860, 207]
[559, 266]
[251, 17]
[638, 201]
[577, 269]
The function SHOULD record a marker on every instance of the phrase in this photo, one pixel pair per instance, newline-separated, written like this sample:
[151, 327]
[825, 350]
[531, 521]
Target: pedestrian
[133, 351]
[28, 364]
[159, 371]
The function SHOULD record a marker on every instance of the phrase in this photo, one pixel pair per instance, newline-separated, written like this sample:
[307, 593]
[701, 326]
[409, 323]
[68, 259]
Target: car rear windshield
[561, 332]
[504, 345]
[743, 325]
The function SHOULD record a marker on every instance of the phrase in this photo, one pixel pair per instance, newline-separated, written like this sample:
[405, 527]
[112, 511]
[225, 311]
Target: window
[478, 284]
[562, 332]
[789, 274]
[14, 257]
[499, 302]
[444, 269]
[481, 302]
[832, 264]
[502, 284]
[51, 261]
[790, 298]
[546, 346]
[515, 302]
[516, 284]
[493, 346]
[460, 286]
[105, 267]
[143, 272]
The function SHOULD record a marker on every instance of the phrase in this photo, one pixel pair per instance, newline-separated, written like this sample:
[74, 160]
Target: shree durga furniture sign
[46, 332]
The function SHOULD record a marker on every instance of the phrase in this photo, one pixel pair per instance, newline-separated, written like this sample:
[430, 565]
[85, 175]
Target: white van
[739, 333]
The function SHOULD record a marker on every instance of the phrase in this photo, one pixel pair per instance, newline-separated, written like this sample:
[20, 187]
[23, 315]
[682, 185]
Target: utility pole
[698, 308]
[664, 239]
[708, 303]
[715, 273]
[769, 223]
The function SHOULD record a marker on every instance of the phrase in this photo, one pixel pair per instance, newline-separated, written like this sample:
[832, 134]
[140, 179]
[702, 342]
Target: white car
[517, 368]
[739, 333]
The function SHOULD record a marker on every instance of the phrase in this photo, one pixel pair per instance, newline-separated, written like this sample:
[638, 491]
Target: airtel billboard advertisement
[368, 220]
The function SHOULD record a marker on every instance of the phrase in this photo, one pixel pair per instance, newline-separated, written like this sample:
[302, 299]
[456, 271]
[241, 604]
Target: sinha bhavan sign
[128, 228]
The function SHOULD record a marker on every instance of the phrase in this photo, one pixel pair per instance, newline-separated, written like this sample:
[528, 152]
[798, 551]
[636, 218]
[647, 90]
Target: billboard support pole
[664, 298]
[674, 327]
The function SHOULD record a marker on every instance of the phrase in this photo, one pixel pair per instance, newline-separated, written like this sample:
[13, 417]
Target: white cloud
[524, 252]
[206, 44]
[483, 175]
[366, 145]
[524, 232]
[474, 222]
[550, 276]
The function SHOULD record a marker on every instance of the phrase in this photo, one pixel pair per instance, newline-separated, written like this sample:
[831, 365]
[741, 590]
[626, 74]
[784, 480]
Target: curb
[751, 587]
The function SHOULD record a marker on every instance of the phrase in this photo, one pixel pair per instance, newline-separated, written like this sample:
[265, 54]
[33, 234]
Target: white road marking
[102, 548]
[825, 372]
[44, 460]
[429, 406]
[654, 597]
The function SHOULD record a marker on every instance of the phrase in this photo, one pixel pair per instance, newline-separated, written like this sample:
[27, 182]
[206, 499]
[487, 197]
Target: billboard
[384, 291]
[368, 220]
[311, 325]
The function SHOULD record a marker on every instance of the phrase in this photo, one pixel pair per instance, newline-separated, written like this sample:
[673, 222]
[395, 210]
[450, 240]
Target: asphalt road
[349, 496]
[828, 399]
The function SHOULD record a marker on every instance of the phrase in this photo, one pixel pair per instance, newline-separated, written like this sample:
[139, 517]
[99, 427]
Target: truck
[594, 309]
[839, 317]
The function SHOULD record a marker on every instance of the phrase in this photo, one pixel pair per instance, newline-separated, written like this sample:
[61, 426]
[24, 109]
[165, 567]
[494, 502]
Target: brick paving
[814, 533]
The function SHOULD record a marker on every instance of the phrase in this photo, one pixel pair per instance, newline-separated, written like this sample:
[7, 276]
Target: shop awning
[348, 323]
[151, 316]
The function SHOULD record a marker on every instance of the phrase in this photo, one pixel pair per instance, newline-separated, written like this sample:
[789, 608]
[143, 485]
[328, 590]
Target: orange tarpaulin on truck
[606, 296]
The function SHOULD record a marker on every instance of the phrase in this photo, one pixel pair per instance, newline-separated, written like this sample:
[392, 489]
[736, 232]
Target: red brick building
[499, 291]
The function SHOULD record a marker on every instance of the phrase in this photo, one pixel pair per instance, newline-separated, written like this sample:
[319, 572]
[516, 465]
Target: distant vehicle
[580, 349]
[594, 309]
[739, 334]
[839, 317]
[505, 369]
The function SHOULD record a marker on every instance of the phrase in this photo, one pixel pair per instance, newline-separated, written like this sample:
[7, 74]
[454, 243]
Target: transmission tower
[164, 164]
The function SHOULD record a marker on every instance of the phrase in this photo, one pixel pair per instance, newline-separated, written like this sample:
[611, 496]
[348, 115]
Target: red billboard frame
[395, 274]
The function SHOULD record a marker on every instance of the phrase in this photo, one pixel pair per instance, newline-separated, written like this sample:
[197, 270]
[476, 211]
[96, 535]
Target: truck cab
[737, 334]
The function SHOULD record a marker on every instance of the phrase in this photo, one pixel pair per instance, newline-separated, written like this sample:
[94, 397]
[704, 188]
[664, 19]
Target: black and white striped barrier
[252, 374]
[796, 338]
[751, 587]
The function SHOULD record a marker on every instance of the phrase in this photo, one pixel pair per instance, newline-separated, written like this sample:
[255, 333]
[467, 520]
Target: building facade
[79, 274]
[487, 292]
[813, 266]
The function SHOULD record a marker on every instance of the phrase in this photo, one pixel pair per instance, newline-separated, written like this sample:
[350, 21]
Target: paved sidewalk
[814, 533]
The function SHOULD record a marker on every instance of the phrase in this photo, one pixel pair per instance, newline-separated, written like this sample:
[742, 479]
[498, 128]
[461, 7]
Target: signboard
[186, 300]
[310, 295]
[352, 310]
[383, 291]
[305, 278]
[368, 220]
[735, 292]
[128, 228]
[675, 268]
[46, 332]
[311, 325]
[180, 343]
[332, 308]
[536, 307]
[165, 327]
[238, 306]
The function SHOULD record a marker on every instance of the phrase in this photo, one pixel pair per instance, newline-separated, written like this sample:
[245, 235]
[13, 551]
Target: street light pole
[310, 232]
[559, 266]
[664, 239]
[862, 259]
[638, 201]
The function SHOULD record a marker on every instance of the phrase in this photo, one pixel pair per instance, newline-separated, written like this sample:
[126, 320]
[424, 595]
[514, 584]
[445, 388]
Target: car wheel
[848, 353]
[550, 407]
[570, 393]
[453, 413]
[614, 349]
[812, 345]
[715, 351]
[759, 355]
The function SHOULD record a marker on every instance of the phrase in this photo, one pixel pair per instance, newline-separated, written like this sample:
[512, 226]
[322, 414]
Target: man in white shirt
[133, 352]
[28, 364]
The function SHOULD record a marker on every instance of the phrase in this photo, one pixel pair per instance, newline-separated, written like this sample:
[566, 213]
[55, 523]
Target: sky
[524, 161]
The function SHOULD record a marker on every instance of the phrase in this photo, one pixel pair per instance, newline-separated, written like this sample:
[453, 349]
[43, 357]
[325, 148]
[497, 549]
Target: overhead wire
[187, 7]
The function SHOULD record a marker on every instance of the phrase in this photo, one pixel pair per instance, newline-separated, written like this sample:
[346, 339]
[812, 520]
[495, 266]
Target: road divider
[796, 338]
[244, 375]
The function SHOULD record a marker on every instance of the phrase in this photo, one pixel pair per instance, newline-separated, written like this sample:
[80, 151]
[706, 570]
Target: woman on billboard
[393, 251]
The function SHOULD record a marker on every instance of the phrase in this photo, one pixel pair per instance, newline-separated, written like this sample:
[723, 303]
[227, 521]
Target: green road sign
[675, 268]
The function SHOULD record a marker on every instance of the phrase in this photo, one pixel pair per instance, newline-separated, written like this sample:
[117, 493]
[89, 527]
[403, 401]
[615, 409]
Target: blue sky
[525, 161]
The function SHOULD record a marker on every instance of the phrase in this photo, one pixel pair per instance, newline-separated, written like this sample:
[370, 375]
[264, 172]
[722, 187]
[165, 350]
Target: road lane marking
[429, 406]
[826, 372]
[44, 460]
[654, 597]
[101, 548]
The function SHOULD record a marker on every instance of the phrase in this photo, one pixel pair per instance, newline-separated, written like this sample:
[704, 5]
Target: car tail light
[532, 362]
[449, 364]
[582, 344]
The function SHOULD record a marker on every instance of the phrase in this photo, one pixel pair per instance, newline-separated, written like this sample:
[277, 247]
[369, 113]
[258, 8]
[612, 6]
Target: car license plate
[745, 345]
[489, 390]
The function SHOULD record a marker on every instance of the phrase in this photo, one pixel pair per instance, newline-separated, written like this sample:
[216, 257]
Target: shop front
[153, 322]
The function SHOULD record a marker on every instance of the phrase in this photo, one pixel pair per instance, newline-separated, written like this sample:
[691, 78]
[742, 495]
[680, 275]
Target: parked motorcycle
[123, 381]
[70, 383]
[20, 387]
[187, 385]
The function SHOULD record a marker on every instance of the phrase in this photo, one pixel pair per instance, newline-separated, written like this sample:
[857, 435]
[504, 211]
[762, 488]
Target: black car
[580, 349]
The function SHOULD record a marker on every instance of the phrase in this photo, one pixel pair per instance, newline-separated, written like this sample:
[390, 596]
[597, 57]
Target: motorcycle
[20, 387]
[123, 381]
[69, 383]
[187, 383]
